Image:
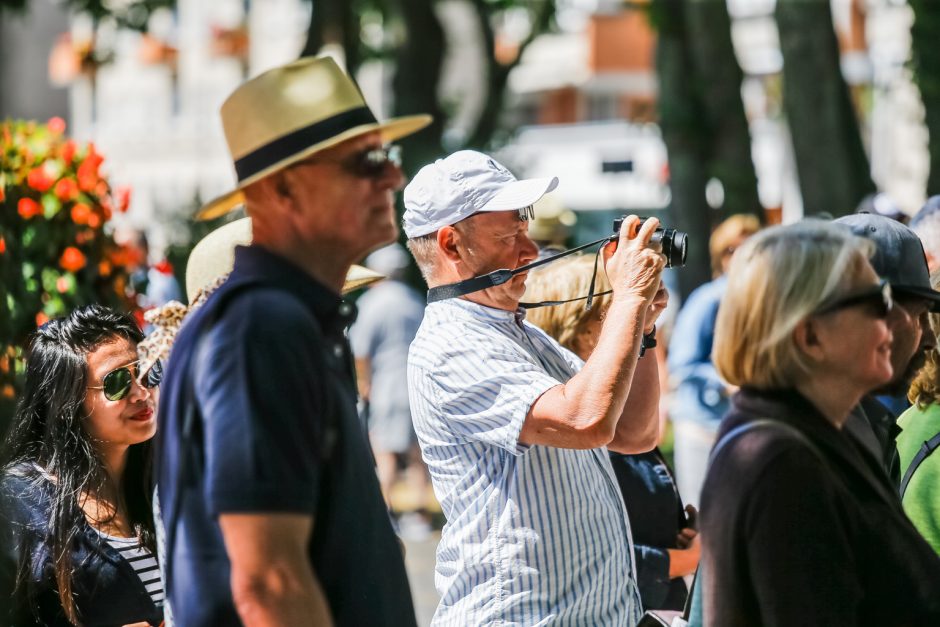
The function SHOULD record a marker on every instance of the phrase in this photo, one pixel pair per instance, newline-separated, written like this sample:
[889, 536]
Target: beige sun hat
[209, 264]
[213, 258]
[291, 112]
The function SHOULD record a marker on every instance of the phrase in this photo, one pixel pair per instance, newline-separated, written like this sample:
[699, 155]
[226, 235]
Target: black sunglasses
[371, 163]
[117, 383]
[879, 297]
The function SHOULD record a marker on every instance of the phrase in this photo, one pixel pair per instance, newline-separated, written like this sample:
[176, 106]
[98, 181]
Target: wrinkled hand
[634, 268]
[656, 307]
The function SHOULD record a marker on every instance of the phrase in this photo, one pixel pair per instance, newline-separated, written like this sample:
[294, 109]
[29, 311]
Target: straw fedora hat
[291, 112]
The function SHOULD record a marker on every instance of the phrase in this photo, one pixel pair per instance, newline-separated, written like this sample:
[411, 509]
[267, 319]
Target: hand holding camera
[632, 264]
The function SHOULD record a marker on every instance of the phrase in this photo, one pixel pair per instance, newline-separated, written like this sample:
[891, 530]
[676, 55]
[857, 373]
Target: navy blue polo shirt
[275, 430]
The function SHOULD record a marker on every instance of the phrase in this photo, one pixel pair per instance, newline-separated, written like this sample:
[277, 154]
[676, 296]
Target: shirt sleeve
[482, 392]
[262, 406]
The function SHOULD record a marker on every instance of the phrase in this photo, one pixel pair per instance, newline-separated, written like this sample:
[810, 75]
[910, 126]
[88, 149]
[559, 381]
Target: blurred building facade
[583, 98]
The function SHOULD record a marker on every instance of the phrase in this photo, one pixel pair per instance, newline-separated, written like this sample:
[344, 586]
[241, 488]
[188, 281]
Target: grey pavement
[419, 560]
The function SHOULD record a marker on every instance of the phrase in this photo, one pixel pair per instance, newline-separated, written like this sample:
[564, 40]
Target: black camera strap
[498, 277]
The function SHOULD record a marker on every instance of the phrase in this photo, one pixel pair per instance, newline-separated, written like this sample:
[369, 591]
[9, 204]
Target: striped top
[142, 561]
[534, 535]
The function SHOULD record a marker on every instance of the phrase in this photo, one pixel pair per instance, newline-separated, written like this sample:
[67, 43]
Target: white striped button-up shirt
[534, 534]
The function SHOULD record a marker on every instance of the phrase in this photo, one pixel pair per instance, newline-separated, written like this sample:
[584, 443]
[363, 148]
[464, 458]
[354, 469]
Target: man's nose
[392, 177]
[530, 251]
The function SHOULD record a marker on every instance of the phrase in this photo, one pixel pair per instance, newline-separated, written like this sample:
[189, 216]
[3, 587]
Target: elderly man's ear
[447, 239]
[272, 192]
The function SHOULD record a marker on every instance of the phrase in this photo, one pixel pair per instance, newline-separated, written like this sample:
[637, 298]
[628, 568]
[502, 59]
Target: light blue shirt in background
[534, 534]
[699, 394]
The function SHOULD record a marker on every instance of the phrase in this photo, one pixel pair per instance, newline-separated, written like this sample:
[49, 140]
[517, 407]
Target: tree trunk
[418, 66]
[831, 163]
[718, 80]
[498, 73]
[680, 117]
[925, 33]
[334, 22]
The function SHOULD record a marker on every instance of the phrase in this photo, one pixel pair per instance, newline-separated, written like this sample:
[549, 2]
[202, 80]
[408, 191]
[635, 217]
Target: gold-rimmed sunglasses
[117, 384]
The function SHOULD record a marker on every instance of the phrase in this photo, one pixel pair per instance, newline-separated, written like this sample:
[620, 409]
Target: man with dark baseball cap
[899, 259]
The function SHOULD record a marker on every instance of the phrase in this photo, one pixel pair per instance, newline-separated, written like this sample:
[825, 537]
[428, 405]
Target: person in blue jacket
[699, 396]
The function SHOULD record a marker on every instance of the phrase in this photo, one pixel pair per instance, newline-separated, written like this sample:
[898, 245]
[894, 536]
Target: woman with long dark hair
[76, 528]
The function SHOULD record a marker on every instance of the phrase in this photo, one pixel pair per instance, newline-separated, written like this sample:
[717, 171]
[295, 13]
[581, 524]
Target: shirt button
[338, 350]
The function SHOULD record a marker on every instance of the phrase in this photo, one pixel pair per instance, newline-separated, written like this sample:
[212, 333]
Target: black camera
[674, 243]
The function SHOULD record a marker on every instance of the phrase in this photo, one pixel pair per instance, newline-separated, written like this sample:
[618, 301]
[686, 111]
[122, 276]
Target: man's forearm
[599, 391]
[638, 425]
[280, 597]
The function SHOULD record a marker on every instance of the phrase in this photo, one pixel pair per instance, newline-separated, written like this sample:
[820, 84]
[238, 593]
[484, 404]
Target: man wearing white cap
[512, 426]
[267, 488]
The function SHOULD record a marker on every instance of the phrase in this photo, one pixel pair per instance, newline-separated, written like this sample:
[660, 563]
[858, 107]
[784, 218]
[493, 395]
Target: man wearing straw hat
[267, 490]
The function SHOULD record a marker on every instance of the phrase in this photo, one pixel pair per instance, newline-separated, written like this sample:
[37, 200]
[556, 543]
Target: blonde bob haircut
[562, 280]
[778, 277]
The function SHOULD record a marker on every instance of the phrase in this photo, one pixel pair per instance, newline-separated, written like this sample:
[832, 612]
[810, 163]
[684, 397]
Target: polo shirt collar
[326, 305]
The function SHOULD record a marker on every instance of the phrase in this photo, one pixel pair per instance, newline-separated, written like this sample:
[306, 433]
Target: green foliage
[54, 252]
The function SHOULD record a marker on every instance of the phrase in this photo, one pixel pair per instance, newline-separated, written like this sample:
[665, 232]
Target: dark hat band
[297, 141]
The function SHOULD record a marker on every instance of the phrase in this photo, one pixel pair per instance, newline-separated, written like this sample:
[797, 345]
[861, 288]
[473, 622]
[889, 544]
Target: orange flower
[41, 319]
[66, 189]
[27, 208]
[104, 268]
[56, 125]
[94, 220]
[87, 174]
[80, 213]
[3, 194]
[39, 180]
[123, 194]
[68, 152]
[62, 285]
[3, 245]
[8, 391]
[72, 259]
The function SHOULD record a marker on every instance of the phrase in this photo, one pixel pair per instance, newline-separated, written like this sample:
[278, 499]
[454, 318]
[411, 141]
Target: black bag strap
[498, 277]
[923, 453]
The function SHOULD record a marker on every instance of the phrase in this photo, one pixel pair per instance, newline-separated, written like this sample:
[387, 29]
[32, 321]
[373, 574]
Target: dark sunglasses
[879, 297]
[117, 383]
[371, 163]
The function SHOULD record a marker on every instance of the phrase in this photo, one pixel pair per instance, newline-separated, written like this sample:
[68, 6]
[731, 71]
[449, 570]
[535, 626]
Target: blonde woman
[665, 541]
[797, 529]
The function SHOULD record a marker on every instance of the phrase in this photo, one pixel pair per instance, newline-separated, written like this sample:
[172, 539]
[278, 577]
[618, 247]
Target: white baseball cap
[451, 189]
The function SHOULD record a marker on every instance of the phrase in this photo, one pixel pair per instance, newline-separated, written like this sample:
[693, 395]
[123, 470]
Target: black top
[276, 430]
[795, 537]
[656, 516]
[107, 590]
[880, 438]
